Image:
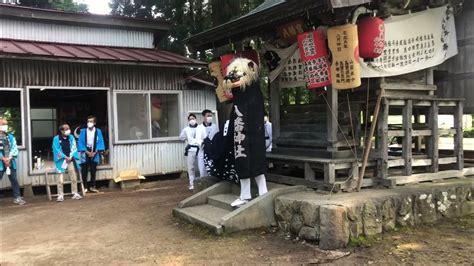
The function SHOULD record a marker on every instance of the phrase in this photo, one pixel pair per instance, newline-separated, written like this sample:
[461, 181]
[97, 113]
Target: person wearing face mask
[192, 148]
[268, 133]
[65, 156]
[90, 145]
[8, 166]
[205, 130]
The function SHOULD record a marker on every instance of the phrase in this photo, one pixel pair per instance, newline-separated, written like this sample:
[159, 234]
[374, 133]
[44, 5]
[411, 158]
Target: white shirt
[202, 132]
[188, 134]
[268, 136]
[90, 137]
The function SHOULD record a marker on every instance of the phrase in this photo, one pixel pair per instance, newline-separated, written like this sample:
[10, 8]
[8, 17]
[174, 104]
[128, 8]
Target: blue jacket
[58, 154]
[82, 145]
[13, 152]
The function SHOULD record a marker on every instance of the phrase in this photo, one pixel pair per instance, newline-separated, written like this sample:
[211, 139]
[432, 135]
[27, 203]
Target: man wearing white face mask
[189, 135]
[205, 130]
[65, 156]
[8, 153]
[90, 145]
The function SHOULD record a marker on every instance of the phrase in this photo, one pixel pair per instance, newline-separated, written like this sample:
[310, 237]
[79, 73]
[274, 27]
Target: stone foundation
[332, 220]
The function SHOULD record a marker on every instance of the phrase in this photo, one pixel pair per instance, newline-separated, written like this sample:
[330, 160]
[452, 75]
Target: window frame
[148, 93]
[23, 113]
[110, 115]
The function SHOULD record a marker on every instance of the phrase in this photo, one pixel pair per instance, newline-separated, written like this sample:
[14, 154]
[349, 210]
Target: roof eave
[106, 62]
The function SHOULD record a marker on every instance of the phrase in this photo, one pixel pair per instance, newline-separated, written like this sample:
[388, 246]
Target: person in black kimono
[246, 122]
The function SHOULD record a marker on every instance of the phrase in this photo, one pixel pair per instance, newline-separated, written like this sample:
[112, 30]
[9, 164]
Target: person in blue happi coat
[8, 165]
[91, 145]
[65, 159]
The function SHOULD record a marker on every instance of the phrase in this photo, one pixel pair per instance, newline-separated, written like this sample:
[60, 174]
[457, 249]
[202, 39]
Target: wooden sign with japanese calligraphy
[314, 56]
[344, 45]
[290, 31]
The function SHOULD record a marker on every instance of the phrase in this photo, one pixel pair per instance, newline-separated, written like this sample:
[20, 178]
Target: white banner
[414, 42]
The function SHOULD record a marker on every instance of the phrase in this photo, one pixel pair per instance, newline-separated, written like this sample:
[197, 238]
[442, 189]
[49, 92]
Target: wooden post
[382, 141]
[275, 108]
[368, 144]
[309, 173]
[407, 139]
[458, 138]
[430, 78]
[332, 116]
[329, 173]
[418, 139]
[432, 147]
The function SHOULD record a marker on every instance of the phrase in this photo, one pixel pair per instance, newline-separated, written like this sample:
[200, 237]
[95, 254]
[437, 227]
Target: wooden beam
[382, 141]
[407, 139]
[432, 147]
[275, 108]
[428, 176]
[458, 137]
[329, 173]
[289, 180]
[309, 172]
[368, 144]
[332, 116]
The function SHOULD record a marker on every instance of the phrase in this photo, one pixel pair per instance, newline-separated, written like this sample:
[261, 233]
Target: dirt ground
[123, 228]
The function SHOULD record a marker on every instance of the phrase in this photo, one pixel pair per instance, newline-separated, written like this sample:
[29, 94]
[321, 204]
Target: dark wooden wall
[455, 78]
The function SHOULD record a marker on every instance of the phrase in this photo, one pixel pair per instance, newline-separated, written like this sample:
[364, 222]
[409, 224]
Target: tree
[64, 5]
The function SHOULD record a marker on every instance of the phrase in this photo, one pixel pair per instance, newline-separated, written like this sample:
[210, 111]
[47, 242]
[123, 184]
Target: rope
[339, 126]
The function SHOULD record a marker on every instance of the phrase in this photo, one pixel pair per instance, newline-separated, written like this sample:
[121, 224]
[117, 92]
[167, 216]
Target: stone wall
[332, 220]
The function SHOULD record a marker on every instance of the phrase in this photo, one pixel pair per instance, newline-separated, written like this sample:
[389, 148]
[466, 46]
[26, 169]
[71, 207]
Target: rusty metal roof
[93, 54]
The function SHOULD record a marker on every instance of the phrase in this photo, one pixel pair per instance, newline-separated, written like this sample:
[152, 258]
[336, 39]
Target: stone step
[207, 216]
[222, 201]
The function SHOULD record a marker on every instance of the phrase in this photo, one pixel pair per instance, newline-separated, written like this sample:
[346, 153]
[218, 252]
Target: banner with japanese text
[414, 42]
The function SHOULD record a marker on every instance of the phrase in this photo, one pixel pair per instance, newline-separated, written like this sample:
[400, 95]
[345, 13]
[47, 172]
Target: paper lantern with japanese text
[314, 56]
[344, 46]
[371, 31]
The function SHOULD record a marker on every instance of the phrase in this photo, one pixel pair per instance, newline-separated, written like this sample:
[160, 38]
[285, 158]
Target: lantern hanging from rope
[371, 31]
[314, 56]
[344, 46]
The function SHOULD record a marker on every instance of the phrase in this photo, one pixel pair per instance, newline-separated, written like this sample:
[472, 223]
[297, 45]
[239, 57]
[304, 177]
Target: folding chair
[52, 172]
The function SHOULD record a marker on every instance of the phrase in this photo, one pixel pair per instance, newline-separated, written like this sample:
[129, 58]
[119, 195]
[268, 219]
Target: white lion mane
[244, 66]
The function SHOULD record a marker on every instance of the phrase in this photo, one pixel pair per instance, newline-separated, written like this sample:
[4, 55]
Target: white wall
[46, 32]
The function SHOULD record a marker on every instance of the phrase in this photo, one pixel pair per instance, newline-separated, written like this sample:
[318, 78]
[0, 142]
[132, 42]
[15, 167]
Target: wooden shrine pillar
[458, 137]
[382, 141]
[275, 108]
[331, 119]
[407, 138]
[432, 145]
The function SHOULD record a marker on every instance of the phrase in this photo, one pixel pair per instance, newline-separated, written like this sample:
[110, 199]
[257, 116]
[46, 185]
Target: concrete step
[207, 216]
[222, 201]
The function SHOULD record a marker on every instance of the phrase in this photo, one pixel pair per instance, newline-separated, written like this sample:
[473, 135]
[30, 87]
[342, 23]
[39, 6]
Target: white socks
[261, 184]
[245, 187]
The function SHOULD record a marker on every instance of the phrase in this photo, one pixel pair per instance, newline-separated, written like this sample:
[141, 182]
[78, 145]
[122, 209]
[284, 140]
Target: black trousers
[90, 164]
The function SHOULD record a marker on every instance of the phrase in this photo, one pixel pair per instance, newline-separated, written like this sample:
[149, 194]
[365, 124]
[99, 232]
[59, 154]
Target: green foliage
[361, 241]
[63, 5]
[13, 116]
[468, 133]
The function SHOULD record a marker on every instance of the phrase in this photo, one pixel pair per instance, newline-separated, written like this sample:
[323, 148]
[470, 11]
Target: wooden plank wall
[151, 158]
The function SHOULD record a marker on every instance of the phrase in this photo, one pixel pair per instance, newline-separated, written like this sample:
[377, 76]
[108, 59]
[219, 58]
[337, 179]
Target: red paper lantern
[314, 56]
[371, 31]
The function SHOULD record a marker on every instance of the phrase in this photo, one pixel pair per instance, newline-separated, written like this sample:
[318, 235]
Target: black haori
[241, 153]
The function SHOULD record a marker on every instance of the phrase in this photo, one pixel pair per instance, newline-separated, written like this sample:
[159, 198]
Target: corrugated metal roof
[91, 53]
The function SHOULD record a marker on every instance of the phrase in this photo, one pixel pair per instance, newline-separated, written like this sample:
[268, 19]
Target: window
[50, 106]
[11, 109]
[147, 116]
